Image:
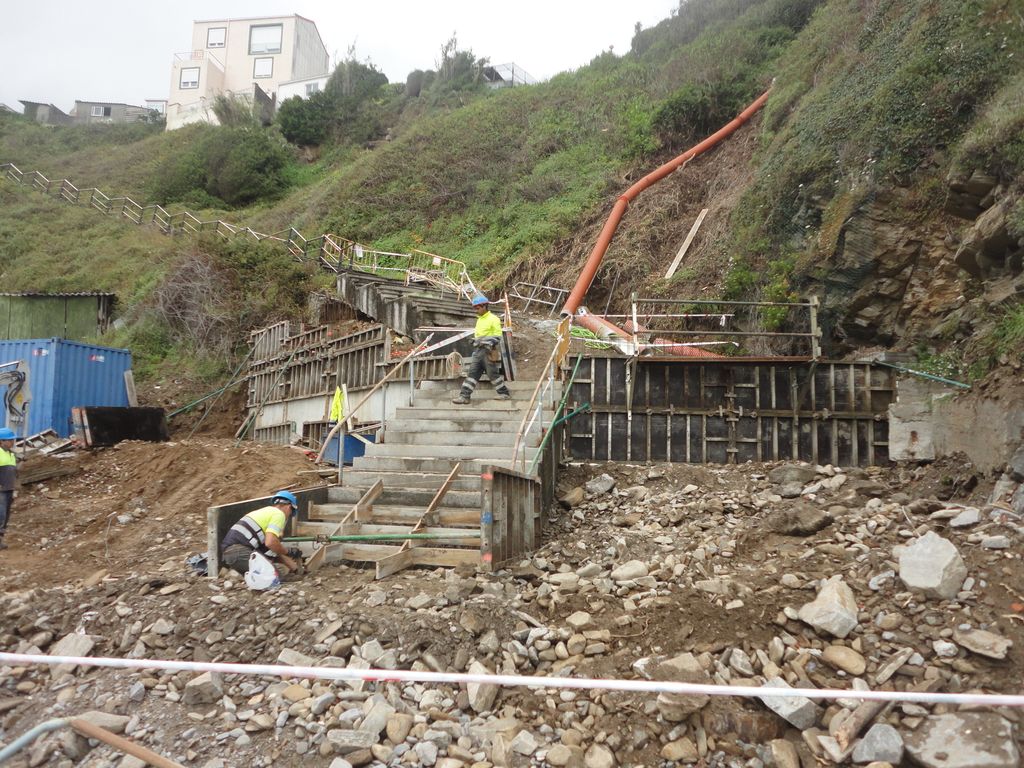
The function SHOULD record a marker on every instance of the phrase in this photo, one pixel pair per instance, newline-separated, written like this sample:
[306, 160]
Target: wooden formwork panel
[510, 515]
[312, 362]
[731, 411]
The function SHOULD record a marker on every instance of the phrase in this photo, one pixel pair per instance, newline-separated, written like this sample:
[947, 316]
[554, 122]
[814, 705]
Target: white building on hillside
[303, 88]
[242, 57]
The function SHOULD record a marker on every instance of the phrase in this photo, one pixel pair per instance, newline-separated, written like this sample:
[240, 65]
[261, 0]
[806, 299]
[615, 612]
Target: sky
[57, 51]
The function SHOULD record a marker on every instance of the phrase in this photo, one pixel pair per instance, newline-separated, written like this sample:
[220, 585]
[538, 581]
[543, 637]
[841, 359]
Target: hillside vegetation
[868, 99]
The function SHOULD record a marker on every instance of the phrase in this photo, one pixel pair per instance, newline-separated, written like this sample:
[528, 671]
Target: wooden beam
[361, 507]
[686, 243]
[430, 515]
[400, 560]
[392, 564]
[430, 556]
[129, 388]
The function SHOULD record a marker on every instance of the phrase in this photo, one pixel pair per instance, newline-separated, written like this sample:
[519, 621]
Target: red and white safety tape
[525, 681]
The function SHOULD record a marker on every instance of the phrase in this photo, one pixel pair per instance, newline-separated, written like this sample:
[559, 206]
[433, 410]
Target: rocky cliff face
[891, 282]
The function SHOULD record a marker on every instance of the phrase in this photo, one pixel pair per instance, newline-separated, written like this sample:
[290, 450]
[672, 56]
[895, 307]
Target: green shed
[73, 316]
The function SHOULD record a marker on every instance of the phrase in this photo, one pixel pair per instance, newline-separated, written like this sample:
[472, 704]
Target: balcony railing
[197, 57]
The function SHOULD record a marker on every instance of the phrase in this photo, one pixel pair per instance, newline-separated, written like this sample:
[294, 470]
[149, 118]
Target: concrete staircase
[403, 307]
[419, 449]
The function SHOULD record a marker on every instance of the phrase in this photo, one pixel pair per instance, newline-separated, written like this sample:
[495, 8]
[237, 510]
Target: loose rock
[932, 565]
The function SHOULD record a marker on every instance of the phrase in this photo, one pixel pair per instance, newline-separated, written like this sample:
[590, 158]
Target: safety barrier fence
[332, 252]
[519, 681]
[535, 293]
[750, 327]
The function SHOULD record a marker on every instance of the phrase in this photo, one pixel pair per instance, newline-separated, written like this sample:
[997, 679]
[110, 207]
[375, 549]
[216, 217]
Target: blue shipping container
[64, 375]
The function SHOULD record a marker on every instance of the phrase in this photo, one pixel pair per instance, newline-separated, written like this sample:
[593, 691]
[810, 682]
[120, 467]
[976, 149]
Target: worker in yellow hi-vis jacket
[486, 354]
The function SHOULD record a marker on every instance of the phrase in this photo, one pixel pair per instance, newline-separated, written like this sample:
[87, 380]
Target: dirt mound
[137, 501]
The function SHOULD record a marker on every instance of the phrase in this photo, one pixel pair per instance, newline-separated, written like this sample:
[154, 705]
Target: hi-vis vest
[488, 324]
[8, 465]
[252, 529]
[337, 405]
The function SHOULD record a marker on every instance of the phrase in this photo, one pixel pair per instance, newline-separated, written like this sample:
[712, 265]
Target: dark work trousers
[6, 499]
[477, 366]
[236, 557]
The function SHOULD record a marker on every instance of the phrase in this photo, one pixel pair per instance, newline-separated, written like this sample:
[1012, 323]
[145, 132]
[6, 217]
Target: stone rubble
[714, 579]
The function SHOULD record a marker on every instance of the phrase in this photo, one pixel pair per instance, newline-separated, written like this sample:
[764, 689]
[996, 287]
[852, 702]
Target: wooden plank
[445, 516]
[364, 505]
[450, 558]
[372, 553]
[395, 564]
[686, 243]
[363, 509]
[451, 516]
[430, 514]
[129, 388]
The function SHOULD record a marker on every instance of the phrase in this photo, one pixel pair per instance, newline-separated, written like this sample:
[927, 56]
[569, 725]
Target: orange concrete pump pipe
[608, 231]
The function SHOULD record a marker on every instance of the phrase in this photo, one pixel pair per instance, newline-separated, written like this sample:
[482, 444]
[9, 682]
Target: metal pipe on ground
[89, 730]
[579, 291]
[30, 736]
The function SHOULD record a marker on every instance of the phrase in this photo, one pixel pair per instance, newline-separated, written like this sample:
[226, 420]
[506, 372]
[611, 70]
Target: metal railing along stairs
[331, 252]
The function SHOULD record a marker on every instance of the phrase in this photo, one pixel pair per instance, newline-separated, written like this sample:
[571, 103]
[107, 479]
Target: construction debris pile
[789, 575]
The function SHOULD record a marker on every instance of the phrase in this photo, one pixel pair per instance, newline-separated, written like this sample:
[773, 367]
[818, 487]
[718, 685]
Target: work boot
[461, 400]
[503, 396]
[2, 545]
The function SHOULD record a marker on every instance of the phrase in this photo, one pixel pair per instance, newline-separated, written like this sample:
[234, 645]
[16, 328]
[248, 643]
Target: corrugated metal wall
[38, 317]
[66, 374]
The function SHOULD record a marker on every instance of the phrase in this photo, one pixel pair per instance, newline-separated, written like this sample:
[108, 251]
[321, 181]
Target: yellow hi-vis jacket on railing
[488, 325]
[337, 405]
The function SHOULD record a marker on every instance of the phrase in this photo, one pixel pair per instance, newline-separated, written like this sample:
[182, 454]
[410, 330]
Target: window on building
[264, 38]
[97, 111]
[189, 77]
[263, 67]
[215, 37]
[312, 88]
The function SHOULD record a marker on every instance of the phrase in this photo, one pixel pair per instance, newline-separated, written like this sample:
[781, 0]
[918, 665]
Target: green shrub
[233, 166]
[305, 121]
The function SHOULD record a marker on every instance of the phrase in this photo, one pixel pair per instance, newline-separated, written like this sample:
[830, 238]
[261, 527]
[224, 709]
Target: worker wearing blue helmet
[8, 478]
[261, 531]
[486, 353]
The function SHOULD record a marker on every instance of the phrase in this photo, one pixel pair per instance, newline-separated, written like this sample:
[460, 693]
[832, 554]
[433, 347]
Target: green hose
[379, 537]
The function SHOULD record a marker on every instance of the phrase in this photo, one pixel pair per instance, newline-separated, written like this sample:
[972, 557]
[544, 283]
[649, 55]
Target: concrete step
[526, 386]
[480, 401]
[475, 410]
[426, 422]
[444, 450]
[427, 436]
[393, 514]
[405, 497]
[420, 480]
[373, 464]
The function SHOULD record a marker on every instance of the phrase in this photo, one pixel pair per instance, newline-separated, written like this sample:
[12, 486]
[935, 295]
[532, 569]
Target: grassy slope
[867, 95]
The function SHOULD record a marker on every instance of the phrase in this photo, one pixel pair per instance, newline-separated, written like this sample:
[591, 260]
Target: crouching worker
[261, 531]
[486, 354]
